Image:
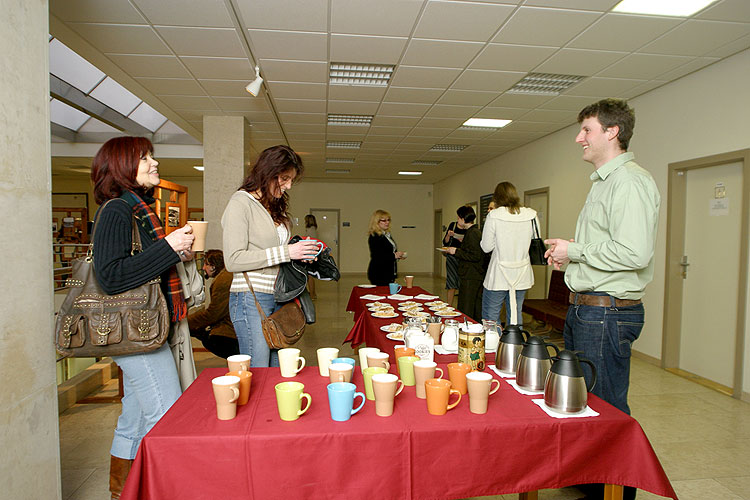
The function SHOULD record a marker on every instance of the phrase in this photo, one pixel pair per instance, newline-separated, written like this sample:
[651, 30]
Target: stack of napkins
[371, 296]
[398, 296]
[424, 296]
[588, 412]
[501, 373]
[442, 350]
[513, 384]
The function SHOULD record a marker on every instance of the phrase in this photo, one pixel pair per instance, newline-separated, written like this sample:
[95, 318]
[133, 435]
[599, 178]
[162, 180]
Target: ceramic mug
[325, 356]
[199, 228]
[226, 393]
[341, 400]
[435, 329]
[480, 387]
[363, 353]
[321, 245]
[402, 350]
[368, 373]
[406, 369]
[289, 398]
[394, 288]
[246, 379]
[457, 375]
[409, 281]
[378, 359]
[385, 386]
[340, 372]
[238, 362]
[423, 371]
[438, 396]
[290, 362]
[344, 360]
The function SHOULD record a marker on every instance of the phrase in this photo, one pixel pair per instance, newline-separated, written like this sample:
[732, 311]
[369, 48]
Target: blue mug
[394, 288]
[341, 400]
[344, 360]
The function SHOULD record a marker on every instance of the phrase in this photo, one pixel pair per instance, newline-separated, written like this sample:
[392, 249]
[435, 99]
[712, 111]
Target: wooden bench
[554, 308]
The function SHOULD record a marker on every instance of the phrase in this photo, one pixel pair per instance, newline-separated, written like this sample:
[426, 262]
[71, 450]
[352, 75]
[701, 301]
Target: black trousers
[470, 298]
[218, 345]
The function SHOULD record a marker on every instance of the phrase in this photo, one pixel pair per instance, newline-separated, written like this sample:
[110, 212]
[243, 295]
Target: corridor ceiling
[453, 60]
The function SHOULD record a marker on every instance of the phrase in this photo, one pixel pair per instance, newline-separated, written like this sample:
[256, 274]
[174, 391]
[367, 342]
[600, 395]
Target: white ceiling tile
[173, 86]
[696, 38]
[297, 90]
[301, 105]
[366, 48]
[450, 123]
[476, 79]
[355, 93]
[276, 70]
[309, 128]
[731, 48]
[596, 5]
[150, 66]
[579, 62]
[428, 132]
[121, 38]
[266, 127]
[623, 32]
[728, 10]
[252, 116]
[645, 66]
[202, 41]
[245, 103]
[365, 17]
[446, 111]
[467, 97]
[403, 109]
[340, 136]
[519, 100]
[188, 102]
[501, 113]
[310, 15]
[207, 13]
[87, 11]
[310, 136]
[461, 20]
[567, 103]
[389, 131]
[511, 57]
[394, 121]
[219, 68]
[353, 107]
[642, 88]
[440, 53]
[225, 88]
[403, 94]
[474, 135]
[551, 116]
[414, 76]
[603, 87]
[193, 115]
[551, 27]
[690, 67]
[316, 118]
[295, 45]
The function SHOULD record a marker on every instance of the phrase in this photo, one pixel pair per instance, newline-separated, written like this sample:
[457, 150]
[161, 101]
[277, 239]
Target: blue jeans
[150, 387]
[604, 336]
[492, 303]
[247, 326]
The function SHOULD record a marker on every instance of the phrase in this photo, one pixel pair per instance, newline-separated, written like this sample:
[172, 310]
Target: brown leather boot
[118, 473]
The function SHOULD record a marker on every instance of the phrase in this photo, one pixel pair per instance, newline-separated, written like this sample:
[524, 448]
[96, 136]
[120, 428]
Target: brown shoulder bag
[92, 323]
[284, 327]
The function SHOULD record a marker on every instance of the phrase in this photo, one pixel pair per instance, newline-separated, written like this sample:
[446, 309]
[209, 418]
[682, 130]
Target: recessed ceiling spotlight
[253, 88]
[351, 120]
[371, 75]
[409, 172]
[198, 168]
[544, 84]
[678, 8]
[344, 144]
[426, 163]
[339, 160]
[451, 148]
[484, 123]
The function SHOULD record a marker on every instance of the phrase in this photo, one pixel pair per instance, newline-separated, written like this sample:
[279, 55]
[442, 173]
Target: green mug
[368, 373]
[289, 398]
[406, 369]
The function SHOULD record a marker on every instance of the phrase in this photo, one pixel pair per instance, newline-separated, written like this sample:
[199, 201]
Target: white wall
[700, 114]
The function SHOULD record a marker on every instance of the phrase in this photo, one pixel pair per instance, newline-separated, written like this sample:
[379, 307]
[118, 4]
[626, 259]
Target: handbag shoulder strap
[135, 239]
[535, 229]
[257, 304]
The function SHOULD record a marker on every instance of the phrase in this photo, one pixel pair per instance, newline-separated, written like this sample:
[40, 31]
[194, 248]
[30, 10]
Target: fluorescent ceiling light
[115, 96]
[451, 148]
[485, 123]
[67, 116]
[352, 120]
[372, 75]
[426, 163]
[409, 172]
[198, 168]
[72, 68]
[344, 144]
[679, 8]
[544, 84]
[148, 117]
[337, 170]
[339, 160]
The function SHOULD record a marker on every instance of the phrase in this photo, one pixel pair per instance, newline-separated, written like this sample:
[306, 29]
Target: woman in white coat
[507, 233]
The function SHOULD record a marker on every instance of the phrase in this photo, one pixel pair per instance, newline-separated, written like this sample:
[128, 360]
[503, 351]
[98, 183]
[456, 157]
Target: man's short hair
[610, 113]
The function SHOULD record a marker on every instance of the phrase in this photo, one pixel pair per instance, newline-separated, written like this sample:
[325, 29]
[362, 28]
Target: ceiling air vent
[352, 120]
[371, 75]
[544, 84]
[451, 148]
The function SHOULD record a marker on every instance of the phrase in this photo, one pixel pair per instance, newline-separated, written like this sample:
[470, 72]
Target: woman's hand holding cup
[181, 241]
[304, 250]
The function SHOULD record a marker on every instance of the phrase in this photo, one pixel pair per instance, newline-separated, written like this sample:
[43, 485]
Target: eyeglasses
[384, 220]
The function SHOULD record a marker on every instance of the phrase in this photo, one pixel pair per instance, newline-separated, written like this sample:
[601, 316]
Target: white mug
[363, 352]
[325, 355]
[290, 362]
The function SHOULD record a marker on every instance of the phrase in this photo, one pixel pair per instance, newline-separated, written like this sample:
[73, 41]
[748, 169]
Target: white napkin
[526, 392]
[442, 350]
[424, 296]
[398, 296]
[370, 296]
[502, 373]
[588, 412]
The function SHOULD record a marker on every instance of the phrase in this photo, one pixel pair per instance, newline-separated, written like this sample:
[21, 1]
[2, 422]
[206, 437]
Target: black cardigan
[382, 268]
[470, 256]
[116, 270]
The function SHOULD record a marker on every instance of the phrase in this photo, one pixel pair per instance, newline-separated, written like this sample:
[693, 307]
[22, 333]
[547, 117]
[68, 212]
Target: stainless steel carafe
[534, 364]
[565, 390]
[511, 345]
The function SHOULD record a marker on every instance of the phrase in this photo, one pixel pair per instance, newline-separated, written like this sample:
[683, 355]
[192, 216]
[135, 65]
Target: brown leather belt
[600, 300]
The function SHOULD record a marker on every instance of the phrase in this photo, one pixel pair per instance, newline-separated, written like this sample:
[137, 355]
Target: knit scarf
[151, 223]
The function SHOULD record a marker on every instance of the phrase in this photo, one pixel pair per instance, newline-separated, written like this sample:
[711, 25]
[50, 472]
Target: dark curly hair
[610, 113]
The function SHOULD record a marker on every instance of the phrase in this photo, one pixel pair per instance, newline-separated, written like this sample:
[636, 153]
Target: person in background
[384, 253]
[311, 231]
[452, 239]
[507, 234]
[212, 325]
[611, 259]
[124, 168]
[256, 234]
[470, 265]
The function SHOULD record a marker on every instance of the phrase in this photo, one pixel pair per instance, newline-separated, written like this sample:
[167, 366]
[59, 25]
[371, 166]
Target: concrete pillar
[29, 440]
[226, 161]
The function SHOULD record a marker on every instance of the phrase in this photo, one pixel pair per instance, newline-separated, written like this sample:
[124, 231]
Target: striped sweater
[251, 243]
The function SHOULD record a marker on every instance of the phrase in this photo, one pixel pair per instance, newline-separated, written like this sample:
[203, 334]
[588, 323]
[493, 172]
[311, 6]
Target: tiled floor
[702, 437]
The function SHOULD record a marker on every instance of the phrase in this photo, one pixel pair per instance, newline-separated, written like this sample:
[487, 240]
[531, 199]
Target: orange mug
[457, 375]
[246, 379]
[438, 393]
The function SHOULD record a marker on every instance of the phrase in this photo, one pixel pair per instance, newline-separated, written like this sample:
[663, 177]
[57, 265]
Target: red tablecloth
[515, 447]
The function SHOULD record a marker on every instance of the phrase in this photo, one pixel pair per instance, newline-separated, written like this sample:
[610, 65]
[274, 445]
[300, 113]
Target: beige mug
[435, 329]
[290, 362]
[423, 371]
[340, 372]
[384, 387]
[239, 362]
[378, 359]
[409, 281]
[479, 385]
[363, 353]
[199, 232]
[226, 394]
[325, 356]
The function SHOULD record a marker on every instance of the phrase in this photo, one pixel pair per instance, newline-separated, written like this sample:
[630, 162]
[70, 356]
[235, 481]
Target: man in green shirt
[611, 258]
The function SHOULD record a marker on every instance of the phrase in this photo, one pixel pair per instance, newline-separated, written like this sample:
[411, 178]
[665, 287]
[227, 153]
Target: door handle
[684, 265]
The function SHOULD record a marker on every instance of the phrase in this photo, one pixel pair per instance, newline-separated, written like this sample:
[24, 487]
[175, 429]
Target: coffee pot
[511, 345]
[534, 363]
[565, 389]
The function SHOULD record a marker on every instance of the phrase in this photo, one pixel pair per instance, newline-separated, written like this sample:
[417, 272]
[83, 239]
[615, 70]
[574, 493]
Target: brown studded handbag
[284, 327]
[92, 323]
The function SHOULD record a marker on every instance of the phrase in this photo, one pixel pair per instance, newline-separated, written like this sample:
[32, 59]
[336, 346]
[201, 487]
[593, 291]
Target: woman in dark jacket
[383, 251]
[125, 169]
[471, 269]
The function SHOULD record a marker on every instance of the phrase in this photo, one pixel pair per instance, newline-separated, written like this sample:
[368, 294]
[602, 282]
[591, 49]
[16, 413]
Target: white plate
[442, 249]
[435, 303]
[444, 315]
[375, 315]
[395, 336]
[392, 328]
[366, 286]
[411, 308]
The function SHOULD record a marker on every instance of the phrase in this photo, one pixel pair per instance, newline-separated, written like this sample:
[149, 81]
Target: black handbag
[536, 247]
